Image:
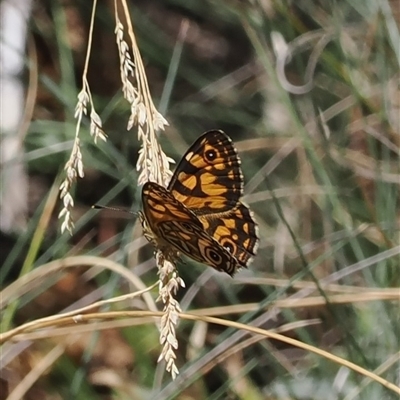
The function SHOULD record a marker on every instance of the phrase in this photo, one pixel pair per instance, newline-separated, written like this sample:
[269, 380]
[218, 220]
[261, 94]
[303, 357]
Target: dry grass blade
[153, 165]
[74, 166]
[40, 324]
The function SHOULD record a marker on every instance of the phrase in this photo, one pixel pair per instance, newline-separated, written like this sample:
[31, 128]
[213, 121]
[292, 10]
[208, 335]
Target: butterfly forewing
[208, 179]
[160, 205]
[173, 224]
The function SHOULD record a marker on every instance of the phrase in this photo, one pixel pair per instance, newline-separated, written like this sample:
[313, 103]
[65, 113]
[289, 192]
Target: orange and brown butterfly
[200, 213]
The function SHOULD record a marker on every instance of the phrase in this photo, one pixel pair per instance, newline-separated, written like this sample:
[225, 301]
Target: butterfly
[200, 213]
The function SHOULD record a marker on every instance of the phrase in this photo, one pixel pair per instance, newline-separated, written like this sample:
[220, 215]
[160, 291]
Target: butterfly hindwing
[235, 231]
[197, 244]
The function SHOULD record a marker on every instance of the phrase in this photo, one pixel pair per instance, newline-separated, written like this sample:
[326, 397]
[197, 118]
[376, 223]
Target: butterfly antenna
[100, 207]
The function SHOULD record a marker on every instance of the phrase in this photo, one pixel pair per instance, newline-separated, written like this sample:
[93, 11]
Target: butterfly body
[200, 213]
